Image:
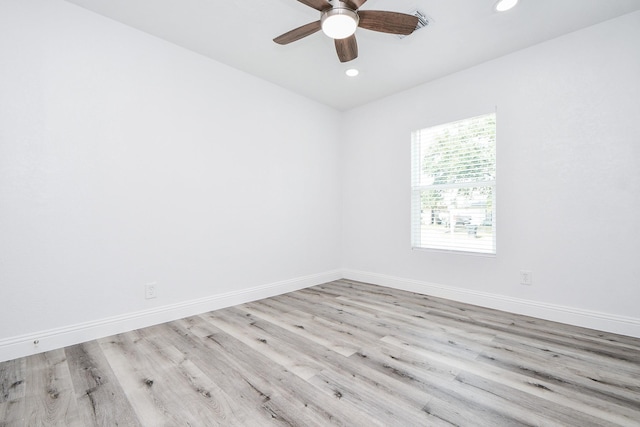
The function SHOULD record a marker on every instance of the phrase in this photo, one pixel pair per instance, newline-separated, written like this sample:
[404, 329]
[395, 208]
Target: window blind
[453, 186]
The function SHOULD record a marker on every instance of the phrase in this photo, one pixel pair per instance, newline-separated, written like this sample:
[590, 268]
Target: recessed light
[504, 5]
[352, 72]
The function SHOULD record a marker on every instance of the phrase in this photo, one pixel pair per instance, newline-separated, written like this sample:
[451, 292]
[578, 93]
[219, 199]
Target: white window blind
[453, 186]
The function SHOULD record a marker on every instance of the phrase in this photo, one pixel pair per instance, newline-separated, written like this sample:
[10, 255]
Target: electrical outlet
[526, 277]
[150, 290]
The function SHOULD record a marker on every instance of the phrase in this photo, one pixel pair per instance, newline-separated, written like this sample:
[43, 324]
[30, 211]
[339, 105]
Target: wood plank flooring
[344, 353]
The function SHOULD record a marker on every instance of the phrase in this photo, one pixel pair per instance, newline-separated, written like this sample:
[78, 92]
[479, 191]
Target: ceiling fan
[339, 20]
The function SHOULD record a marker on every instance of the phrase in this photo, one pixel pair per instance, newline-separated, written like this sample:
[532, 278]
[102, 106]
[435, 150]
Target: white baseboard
[20, 346]
[622, 325]
[24, 345]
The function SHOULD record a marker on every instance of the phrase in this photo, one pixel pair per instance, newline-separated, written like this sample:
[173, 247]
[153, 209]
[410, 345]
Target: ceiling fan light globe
[339, 23]
[504, 5]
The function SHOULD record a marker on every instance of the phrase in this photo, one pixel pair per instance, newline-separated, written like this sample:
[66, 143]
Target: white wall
[568, 191]
[126, 160]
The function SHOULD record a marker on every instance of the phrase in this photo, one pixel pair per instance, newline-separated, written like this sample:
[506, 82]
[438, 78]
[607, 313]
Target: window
[453, 188]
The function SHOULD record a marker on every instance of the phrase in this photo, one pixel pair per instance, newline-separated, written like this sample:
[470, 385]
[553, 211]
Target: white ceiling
[462, 33]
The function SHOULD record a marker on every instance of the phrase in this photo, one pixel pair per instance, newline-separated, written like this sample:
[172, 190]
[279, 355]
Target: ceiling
[461, 34]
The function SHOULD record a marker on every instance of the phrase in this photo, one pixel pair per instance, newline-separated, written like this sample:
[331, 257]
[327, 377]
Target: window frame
[418, 188]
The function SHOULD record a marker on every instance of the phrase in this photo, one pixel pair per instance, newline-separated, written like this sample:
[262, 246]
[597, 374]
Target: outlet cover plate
[526, 277]
[150, 290]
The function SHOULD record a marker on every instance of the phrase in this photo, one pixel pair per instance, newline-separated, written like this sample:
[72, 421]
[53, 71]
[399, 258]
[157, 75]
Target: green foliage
[461, 152]
[456, 154]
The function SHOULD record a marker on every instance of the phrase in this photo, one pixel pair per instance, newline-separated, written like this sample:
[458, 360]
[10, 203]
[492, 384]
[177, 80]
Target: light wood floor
[343, 353]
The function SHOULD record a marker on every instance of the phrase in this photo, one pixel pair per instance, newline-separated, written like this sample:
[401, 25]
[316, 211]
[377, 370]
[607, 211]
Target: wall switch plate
[526, 277]
[150, 290]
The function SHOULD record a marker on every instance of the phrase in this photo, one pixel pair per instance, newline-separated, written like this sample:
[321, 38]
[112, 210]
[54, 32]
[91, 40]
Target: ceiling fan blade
[298, 33]
[354, 4]
[320, 5]
[347, 48]
[388, 22]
